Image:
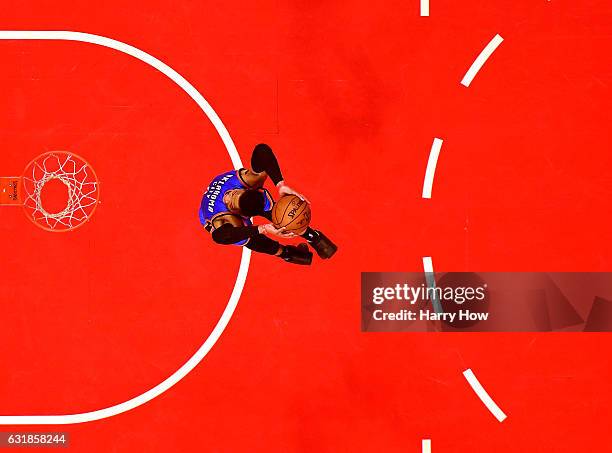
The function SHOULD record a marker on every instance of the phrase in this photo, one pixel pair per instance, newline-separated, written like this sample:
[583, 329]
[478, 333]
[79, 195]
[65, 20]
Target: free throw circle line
[480, 60]
[244, 261]
[483, 395]
[424, 8]
[426, 446]
[430, 171]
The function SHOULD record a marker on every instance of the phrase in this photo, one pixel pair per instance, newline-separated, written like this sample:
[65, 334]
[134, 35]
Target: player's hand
[269, 228]
[284, 189]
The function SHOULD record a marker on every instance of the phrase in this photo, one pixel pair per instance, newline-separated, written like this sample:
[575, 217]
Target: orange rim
[97, 192]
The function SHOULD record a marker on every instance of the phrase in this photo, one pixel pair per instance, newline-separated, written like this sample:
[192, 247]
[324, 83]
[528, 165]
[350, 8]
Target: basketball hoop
[82, 191]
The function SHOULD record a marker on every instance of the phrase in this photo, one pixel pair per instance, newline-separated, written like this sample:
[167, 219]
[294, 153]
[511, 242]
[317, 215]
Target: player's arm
[264, 162]
[252, 179]
[229, 229]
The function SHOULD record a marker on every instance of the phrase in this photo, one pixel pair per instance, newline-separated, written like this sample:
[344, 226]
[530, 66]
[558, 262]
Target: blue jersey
[213, 205]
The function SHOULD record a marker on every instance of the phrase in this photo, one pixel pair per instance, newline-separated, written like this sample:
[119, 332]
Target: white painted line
[427, 265]
[244, 261]
[431, 167]
[424, 8]
[480, 60]
[426, 445]
[431, 282]
[484, 396]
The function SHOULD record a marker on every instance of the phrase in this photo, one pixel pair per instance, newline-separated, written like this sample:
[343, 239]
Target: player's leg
[289, 253]
[324, 247]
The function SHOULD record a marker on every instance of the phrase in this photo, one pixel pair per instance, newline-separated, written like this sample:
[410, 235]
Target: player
[232, 198]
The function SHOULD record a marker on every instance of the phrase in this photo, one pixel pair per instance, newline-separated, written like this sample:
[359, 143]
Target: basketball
[292, 213]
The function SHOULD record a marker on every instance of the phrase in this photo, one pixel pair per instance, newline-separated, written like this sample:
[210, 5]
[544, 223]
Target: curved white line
[480, 60]
[424, 8]
[431, 282]
[428, 265]
[426, 446]
[246, 253]
[484, 396]
[430, 171]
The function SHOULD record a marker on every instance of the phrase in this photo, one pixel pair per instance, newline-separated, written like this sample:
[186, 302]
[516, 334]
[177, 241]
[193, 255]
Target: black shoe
[297, 255]
[322, 245]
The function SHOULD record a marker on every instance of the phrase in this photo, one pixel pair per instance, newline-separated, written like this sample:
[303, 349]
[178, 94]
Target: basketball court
[123, 317]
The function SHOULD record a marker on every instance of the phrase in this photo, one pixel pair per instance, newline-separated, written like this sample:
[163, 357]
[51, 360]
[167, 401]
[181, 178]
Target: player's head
[245, 202]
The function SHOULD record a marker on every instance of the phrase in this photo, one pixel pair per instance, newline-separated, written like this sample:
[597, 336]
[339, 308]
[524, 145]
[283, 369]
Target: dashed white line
[480, 60]
[431, 282]
[424, 8]
[427, 265]
[431, 167]
[484, 396]
[426, 445]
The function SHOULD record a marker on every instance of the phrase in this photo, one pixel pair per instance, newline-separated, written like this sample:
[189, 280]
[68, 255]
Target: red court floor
[350, 96]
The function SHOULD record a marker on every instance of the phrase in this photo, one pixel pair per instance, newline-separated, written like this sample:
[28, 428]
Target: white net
[82, 190]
